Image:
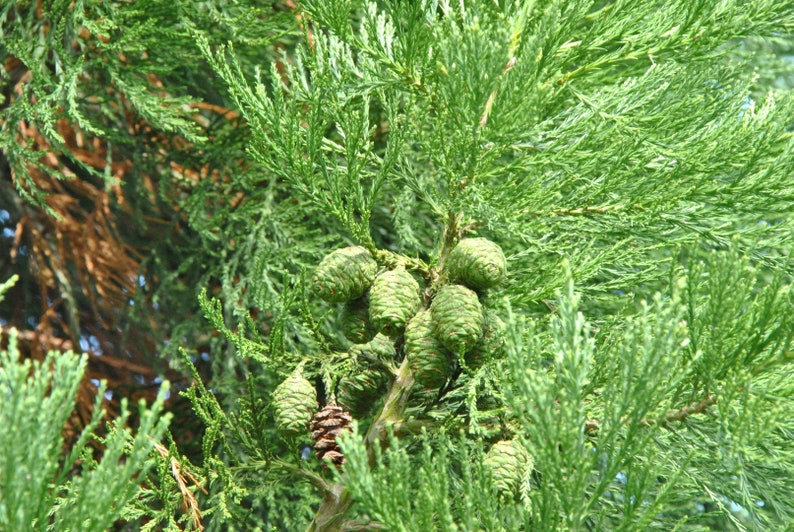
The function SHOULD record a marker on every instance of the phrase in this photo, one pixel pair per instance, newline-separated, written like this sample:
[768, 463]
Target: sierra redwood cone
[344, 274]
[326, 425]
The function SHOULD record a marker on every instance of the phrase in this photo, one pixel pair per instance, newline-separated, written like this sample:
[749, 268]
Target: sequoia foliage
[501, 265]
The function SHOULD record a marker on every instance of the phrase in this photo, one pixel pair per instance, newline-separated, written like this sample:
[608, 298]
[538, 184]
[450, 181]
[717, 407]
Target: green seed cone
[358, 393]
[492, 344]
[393, 300]
[344, 274]
[354, 321]
[457, 318]
[508, 461]
[430, 362]
[295, 401]
[478, 263]
[380, 347]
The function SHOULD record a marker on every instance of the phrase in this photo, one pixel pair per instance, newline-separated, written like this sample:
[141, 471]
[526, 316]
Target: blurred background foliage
[123, 183]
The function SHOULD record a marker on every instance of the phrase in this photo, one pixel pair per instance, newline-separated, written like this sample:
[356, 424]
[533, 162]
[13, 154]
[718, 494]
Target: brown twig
[52, 343]
[685, 411]
[179, 474]
[585, 211]
[484, 118]
[593, 426]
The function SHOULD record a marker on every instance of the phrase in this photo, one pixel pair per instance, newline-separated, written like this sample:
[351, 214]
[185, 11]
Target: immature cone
[379, 348]
[457, 318]
[354, 321]
[393, 299]
[430, 362]
[294, 401]
[344, 274]
[358, 393]
[491, 345]
[477, 262]
[507, 461]
[326, 425]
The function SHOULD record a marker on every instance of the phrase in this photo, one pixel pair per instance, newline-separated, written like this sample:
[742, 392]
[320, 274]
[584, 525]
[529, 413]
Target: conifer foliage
[490, 265]
[43, 484]
[580, 173]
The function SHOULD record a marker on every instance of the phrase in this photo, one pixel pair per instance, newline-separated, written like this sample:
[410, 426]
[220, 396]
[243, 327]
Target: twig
[484, 118]
[349, 526]
[584, 211]
[686, 411]
[393, 260]
[374, 361]
[313, 478]
[47, 341]
[453, 230]
[53, 343]
[179, 474]
[593, 426]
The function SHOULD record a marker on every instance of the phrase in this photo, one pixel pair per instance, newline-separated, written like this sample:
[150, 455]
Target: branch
[585, 211]
[454, 229]
[484, 118]
[592, 426]
[393, 260]
[179, 473]
[367, 525]
[316, 480]
[685, 412]
[49, 342]
[374, 361]
[337, 499]
[511, 52]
